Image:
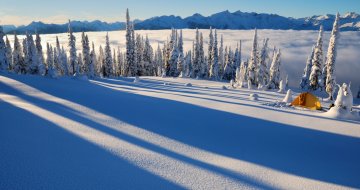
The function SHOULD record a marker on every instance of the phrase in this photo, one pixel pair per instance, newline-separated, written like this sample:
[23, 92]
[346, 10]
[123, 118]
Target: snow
[340, 113]
[254, 97]
[116, 134]
[188, 84]
[137, 79]
[288, 98]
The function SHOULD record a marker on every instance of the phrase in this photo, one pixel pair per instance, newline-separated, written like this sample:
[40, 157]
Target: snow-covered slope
[116, 134]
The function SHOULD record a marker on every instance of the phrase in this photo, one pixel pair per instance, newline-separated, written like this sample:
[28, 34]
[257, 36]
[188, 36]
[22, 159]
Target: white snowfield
[117, 134]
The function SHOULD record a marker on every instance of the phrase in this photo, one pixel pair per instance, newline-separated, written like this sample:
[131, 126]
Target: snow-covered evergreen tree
[158, 61]
[204, 70]
[148, 58]
[18, 57]
[180, 66]
[100, 62]
[229, 68]
[86, 53]
[275, 75]
[253, 63]
[304, 84]
[130, 59]
[31, 58]
[221, 57]
[196, 55]
[79, 64]
[40, 55]
[58, 57]
[8, 53]
[92, 63]
[210, 48]
[181, 43]
[187, 64]
[115, 65]
[72, 49]
[4, 63]
[331, 58]
[263, 74]
[317, 62]
[214, 68]
[108, 58]
[52, 72]
[64, 61]
[241, 78]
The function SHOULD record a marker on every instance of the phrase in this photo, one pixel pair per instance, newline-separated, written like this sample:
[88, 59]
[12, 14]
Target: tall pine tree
[331, 58]
[317, 62]
[4, 64]
[72, 49]
[253, 63]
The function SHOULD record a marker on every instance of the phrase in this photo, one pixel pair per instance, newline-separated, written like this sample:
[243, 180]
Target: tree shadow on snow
[57, 160]
[303, 152]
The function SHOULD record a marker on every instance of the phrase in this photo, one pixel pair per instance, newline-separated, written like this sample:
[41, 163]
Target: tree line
[263, 69]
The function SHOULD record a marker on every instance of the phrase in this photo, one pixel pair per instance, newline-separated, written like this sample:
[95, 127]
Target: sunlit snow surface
[295, 46]
[117, 134]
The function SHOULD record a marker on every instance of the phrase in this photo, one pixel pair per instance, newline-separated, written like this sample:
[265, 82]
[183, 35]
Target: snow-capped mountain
[243, 20]
[77, 26]
[221, 20]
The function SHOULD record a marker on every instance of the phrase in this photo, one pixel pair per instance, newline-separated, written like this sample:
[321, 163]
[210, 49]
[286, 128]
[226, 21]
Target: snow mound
[340, 113]
[188, 84]
[278, 104]
[254, 97]
[80, 77]
[137, 79]
[288, 98]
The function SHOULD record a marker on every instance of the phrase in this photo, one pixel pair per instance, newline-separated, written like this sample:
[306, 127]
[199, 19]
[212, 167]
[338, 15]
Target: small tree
[275, 74]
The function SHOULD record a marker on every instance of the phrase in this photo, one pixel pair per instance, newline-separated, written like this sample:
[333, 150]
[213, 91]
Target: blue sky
[58, 11]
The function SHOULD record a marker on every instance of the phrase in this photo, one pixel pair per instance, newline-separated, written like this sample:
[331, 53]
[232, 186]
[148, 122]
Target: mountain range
[222, 20]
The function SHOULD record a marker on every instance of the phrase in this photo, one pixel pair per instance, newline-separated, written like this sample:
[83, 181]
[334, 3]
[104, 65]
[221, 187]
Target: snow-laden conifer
[4, 64]
[72, 50]
[275, 75]
[304, 84]
[317, 63]
[18, 57]
[331, 58]
[253, 62]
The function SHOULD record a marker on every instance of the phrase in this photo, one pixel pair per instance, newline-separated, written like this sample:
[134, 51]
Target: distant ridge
[222, 20]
